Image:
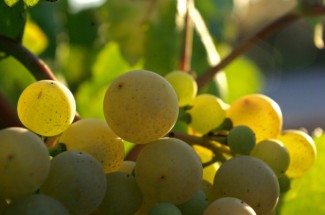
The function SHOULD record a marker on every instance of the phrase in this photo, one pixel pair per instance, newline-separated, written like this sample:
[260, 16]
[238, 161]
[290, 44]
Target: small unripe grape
[184, 85]
[164, 209]
[141, 106]
[241, 139]
[46, 107]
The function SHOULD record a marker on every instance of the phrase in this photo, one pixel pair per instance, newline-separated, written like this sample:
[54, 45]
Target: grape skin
[46, 107]
[207, 112]
[77, 180]
[184, 85]
[140, 106]
[36, 204]
[241, 139]
[24, 162]
[274, 153]
[196, 205]
[95, 137]
[164, 209]
[123, 195]
[168, 170]
[302, 151]
[259, 112]
[249, 179]
[229, 205]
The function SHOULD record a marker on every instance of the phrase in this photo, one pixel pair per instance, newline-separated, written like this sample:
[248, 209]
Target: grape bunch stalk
[199, 155]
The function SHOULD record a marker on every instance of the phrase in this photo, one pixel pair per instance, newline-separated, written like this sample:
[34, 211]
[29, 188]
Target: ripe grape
[164, 208]
[123, 195]
[24, 162]
[241, 139]
[196, 205]
[302, 151]
[249, 179]
[184, 85]
[274, 153]
[259, 112]
[36, 204]
[168, 170]
[140, 106]
[46, 107]
[207, 112]
[229, 205]
[77, 180]
[95, 137]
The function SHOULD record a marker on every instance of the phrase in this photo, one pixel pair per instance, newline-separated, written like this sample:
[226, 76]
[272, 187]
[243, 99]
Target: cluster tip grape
[200, 155]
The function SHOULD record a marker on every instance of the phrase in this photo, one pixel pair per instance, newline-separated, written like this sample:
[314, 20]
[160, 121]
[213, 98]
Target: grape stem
[8, 115]
[250, 42]
[186, 54]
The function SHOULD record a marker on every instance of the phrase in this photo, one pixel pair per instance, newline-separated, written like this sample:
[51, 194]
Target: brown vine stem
[186, 53]
[35, 65]
[9, 116]
[276, 25]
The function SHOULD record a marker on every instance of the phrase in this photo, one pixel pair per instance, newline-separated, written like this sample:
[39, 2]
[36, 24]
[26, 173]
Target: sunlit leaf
[34, 39]
[31, 3]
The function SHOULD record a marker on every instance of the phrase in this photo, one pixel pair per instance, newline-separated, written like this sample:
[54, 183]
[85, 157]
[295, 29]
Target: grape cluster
[200, 156]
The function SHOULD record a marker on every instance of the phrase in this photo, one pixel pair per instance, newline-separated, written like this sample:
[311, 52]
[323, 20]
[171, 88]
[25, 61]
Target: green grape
[46, 107]
[196, 205]
[274, 153]
[36, 204]
[184, 85]
[207, 113]
[229, 206]
[302, 151]
[259, 112]
[241, 139]
[95, 137]
[140, 106]
[168, 170]
[249, 179]
[123, 195]
[127, 166]
[77, 180]
[208, 189]
[284, 183]
[164, 208]
[24, 162]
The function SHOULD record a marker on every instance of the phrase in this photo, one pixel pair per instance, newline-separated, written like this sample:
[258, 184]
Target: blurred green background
[89, 43]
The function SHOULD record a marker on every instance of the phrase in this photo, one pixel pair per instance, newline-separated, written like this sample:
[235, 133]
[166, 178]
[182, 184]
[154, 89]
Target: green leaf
[10, 3]
[308, 193]
[12, 20]
[163, 40]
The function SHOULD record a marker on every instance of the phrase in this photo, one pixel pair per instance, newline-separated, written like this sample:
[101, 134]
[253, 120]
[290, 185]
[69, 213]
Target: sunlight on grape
[318, 36]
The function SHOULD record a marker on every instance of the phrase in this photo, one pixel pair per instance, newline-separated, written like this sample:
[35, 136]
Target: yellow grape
[141, 106]
[46, 107]
[229, 206]
[259, 112]
[168, 170]
[249, 179]
[24, 162]
[95, 137]
[207, 112]
[302, 151]
[274, 153]
[184, 85]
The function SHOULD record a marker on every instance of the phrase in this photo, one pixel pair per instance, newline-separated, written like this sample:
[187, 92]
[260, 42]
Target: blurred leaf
[31, 3]
[308, 193]
[34, 39]
[12, 20]
[109, 64]
[10, 2]
[126, 24]
[243, 77]
[163, 40]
